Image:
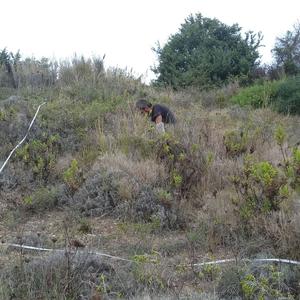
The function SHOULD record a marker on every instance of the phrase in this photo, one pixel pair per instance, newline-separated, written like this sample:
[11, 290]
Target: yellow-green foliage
[42, 198]
[184, 164]
[260, 287]
[261, 188]
[292, 161]
[210, 272]
[176, 179]
[294, 168]
[280, 138]
[280, 135]
[264, 172]
[2, 115]
[146, 270]
[296, 158]
[147, 258]
[248, 286]
[235, 142]
[259, 95]
[40, 155]
[73, 176]
[164, 196]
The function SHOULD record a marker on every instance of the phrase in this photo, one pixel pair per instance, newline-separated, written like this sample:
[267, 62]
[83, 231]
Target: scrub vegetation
[94, 176]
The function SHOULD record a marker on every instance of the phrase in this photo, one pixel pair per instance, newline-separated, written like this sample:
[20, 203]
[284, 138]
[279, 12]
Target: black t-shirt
[166, 114]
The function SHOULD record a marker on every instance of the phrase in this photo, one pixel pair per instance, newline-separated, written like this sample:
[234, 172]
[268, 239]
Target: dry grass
[124, 144]
[146, 171]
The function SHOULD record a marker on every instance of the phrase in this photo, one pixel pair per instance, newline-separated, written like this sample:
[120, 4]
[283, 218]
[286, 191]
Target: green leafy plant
[147, 272]
[184, 164]
[293, 169]
[40, 155]
[280, 138]
[235, 142]
[164, 196]
[176, 179]
[2, 115]
[73, 176]
[264, 172]
[262, 287]
[210, 272]
[260, 188]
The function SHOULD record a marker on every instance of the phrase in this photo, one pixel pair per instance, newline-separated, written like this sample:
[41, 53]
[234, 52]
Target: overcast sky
[126, 30]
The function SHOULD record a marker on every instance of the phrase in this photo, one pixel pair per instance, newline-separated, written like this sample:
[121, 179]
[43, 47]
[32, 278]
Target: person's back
[166, 114]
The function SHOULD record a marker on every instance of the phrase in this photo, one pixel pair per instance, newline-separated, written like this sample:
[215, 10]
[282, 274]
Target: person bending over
[158, 113]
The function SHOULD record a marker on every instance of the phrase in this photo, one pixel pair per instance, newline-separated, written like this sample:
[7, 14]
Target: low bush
[235, 142]
[185, 166]
[43, 198]
[40, 155]
[258, 95]
[260, 187]
[59, 276]
[73, 176]
[287, 97]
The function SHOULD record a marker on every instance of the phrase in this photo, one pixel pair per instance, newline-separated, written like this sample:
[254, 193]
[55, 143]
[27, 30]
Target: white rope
[61, 250]
[215, 262]
[19, 144]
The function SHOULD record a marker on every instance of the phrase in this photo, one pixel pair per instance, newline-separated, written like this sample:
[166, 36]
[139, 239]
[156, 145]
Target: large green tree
[287, 51]
[205, 52]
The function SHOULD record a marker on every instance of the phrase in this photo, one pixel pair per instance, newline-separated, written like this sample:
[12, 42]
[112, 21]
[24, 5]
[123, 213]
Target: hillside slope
[94, 176]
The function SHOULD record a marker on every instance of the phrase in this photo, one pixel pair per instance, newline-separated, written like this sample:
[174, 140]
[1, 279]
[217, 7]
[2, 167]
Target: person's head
[143, 105]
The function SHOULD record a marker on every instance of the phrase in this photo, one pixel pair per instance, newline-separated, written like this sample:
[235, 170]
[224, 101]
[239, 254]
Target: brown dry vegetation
[217, 185]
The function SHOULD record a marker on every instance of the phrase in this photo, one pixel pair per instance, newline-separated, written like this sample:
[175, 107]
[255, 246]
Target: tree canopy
[206, 52]
[287, 51]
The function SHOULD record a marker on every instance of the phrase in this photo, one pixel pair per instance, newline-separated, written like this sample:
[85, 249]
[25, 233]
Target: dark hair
[142, 103]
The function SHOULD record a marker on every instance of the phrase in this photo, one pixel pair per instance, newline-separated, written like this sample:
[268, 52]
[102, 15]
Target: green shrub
[287, 97]
[293, 169]
[2, 115]
[258, 95]
[261, 188]
[264, 172]
[73, 176]
[210, 272]
[267, 284]
[43, 198]
[40, 155]
[185, 166]
[235, 142]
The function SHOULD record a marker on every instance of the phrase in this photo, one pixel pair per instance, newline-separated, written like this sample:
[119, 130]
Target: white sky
[126, 30]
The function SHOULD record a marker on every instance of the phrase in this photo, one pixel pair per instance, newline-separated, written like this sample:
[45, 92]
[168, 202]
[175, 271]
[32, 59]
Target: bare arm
[159, 124]
[158, 119]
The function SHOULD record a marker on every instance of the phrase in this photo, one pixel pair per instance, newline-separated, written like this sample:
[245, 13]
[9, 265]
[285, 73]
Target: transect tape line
[279, 260]
[24, 138]
[18, 246]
